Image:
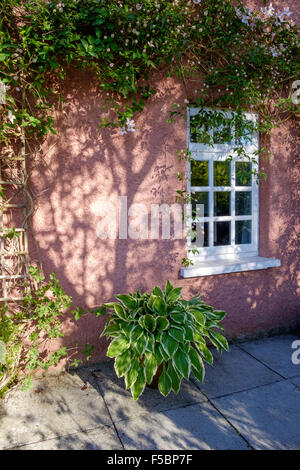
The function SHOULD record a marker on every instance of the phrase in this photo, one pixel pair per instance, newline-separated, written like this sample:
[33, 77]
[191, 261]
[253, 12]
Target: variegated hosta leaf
[109, 305]
[132, 373]
[178, 317]
[158, 356]
[158, 292]
[128, 301]
[141, 344]
[163, 353]
[138, 387]
[123, 363]
[149, 322]
[164, 383]
[199, 316]
[151, 300]
[213, 324]
[120, 311]
[175, 377]
[182, 363]
[127, 328]
[150, 366]
[188, 333]
[151, 343]
[217, 315]
[205, 353]
[136, 332]
[162, 323]
[168, 344]
[198, 368]
[195, 300]
[177, 334]
[186, 346]
[141, 321]
[174, 295]
[168, 288]
[218, 340]
[159, 306]
[198, 337]
[117, 346]
[111, 330]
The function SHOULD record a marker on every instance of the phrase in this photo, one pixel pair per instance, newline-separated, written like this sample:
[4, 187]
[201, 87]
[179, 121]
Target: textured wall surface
[83, 167]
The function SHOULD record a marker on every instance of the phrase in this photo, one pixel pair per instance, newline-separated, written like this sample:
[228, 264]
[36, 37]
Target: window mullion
[211, 201]
[232, 202]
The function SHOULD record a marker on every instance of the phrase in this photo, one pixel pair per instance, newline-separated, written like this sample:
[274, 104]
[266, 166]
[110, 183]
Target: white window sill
[229, 265]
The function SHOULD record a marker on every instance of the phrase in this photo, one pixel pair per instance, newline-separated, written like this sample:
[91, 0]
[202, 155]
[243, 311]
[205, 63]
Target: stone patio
[250, 400]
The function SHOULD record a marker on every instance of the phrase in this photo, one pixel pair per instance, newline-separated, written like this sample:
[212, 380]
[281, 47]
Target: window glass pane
[200, 198]
[199, 173]
[198, 130]
[221, 203]
[244, 133]
[243, 203]
[243, 175]
[222, 135]
[221, 233]
[201, 133]
[202, 227]
[221, 173]
[243, 232]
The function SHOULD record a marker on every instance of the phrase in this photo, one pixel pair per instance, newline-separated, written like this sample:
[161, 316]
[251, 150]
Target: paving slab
[120, 402]
[193, 427]
[268, 416]
[275, 352]
[98, 439]
[55, 406]
[295, 381]
[232, 372]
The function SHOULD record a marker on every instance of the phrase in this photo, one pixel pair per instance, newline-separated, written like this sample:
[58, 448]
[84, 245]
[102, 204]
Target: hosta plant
[163, 332]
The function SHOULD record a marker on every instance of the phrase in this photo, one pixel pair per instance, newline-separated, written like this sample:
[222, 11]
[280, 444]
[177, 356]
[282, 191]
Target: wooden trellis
[13, 226]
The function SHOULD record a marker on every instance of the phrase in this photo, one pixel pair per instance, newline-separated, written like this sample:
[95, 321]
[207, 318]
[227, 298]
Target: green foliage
[245, 59]
[242, 54]
[161, 328]
[40, 315]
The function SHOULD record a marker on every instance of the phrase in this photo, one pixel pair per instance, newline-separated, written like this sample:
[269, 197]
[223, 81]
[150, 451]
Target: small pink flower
[11, 116]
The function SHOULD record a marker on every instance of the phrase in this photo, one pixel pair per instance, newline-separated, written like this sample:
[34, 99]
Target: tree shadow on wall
[80, 172]
[265, 301]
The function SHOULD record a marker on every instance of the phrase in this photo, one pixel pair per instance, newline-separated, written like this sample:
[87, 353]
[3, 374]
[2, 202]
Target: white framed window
[228, 191]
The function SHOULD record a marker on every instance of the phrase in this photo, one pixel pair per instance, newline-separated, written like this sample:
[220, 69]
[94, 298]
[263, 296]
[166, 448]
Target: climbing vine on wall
[244, 56]
[244, 59]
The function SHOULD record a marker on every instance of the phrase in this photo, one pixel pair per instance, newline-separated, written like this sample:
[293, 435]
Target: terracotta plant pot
[154, 383]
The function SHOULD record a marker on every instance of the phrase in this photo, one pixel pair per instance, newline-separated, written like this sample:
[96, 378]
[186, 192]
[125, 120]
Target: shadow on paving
[250, 399]
[183, 421]
[55, 407]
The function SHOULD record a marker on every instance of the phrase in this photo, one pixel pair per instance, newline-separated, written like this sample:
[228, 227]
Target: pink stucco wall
[83, 166]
